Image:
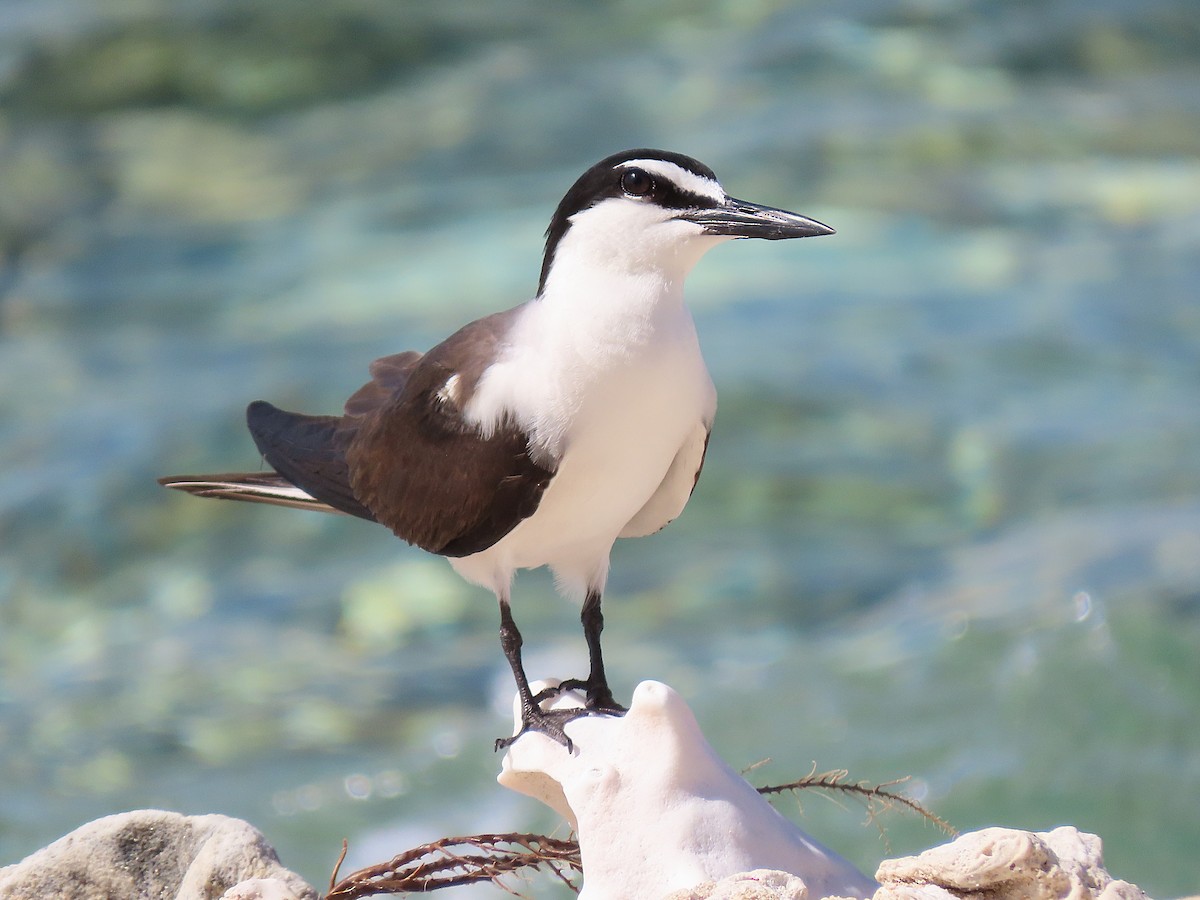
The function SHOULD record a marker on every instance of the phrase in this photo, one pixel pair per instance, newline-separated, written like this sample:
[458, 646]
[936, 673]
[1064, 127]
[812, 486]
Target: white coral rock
[656, 810]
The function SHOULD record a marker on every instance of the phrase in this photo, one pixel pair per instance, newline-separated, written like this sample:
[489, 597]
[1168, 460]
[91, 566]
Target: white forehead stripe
[689, 181]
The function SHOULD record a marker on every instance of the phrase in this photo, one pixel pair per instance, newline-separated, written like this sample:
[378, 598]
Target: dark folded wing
[429, 474]
[308, 451]
[388, 376]
[405, 456]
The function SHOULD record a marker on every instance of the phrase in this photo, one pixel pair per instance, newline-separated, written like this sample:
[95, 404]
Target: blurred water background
[949, 526]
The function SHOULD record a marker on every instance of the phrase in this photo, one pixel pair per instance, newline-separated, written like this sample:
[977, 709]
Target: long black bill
[741, 219]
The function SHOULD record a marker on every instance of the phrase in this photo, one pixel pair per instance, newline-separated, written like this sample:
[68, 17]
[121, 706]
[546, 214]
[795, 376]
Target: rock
[995, 863]
[761, 884]
[156, 854]
[1005, 864]
[657, 813]
[656, 810]
[261, 889]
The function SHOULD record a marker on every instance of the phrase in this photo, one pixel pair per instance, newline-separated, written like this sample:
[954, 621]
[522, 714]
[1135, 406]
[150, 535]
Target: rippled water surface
[949, 525]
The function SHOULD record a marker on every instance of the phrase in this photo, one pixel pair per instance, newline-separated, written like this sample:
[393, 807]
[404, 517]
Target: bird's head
[653, 209]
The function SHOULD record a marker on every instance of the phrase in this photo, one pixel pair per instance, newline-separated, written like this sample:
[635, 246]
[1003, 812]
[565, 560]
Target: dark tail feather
[255, 487]
[309, 452]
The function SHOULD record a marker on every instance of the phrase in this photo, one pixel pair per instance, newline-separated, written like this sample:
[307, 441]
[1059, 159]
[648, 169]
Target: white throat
[594, 322]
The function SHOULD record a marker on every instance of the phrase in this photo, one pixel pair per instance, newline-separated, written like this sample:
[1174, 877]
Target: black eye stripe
[635, 182]
[671, 196]
[603, 181]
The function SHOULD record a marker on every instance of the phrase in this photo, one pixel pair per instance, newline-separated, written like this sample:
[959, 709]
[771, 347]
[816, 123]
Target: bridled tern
[539, 435]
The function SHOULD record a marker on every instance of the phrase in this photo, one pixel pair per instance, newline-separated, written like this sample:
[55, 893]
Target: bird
[539, 435]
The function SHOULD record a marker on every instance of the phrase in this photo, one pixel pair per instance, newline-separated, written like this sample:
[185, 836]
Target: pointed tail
[255, 487]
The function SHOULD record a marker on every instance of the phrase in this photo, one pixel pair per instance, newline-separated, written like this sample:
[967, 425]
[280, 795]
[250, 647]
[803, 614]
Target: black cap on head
[609, 178]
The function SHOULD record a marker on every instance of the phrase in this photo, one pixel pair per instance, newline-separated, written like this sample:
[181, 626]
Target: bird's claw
[551, 722]
[599, 701]
[548, 722]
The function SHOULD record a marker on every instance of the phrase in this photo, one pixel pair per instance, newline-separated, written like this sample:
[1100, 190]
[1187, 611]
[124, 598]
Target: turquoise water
[949, 526]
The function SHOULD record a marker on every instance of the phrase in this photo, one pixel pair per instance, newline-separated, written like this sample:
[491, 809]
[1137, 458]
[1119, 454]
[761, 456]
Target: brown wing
[403, 454]
[309, 452]
[428, 474]
[388, 375]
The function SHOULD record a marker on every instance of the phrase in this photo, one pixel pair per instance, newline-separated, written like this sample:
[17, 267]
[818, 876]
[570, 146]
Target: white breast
[612, 396]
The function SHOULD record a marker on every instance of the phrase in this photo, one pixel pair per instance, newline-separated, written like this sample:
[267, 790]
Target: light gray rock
[1005, 864]
[261, 889]
[994, 863]
[155, 855]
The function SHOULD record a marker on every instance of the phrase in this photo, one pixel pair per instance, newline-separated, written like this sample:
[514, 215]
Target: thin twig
[337, 866]
[877, 797]
[450, 862]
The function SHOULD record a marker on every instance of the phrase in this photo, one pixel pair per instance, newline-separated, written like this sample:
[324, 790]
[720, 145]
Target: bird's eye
[636, 183]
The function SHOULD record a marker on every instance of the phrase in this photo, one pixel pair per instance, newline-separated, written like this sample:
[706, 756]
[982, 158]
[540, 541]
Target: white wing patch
[451, 391]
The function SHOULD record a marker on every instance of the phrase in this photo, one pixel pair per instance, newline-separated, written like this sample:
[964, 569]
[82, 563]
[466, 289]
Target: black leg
[599, 695]
[533, 717]
[510, 642]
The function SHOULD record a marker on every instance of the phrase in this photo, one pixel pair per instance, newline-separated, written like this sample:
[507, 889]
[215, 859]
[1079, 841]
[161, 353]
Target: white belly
[616, 431]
